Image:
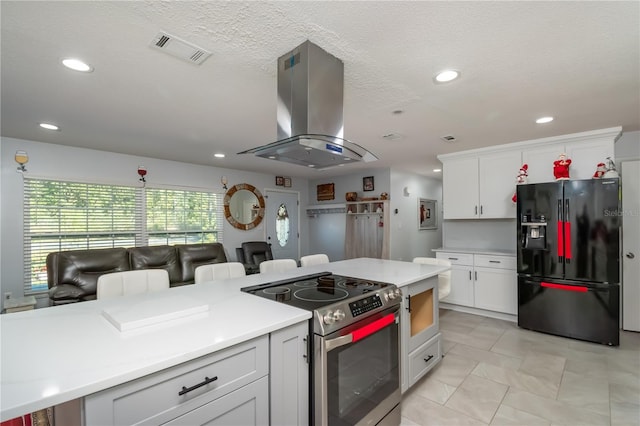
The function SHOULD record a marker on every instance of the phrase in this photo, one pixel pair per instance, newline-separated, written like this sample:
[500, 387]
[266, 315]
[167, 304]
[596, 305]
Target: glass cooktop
[315, 291]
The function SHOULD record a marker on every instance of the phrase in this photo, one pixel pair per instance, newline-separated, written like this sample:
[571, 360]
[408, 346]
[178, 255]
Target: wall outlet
[7, 295]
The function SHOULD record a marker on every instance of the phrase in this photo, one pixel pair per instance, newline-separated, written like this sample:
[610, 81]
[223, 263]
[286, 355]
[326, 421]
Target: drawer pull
[453, 258]
[427, 359]
[206, 381]
[494, 261]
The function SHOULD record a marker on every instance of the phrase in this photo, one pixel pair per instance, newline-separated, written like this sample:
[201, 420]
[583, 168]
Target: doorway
[282, 223]
[630, 172]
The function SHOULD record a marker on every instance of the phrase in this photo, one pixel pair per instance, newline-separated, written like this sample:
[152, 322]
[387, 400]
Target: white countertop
[492, 252]
[60, 353]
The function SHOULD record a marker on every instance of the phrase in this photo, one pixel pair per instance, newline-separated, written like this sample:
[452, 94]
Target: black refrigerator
[569, 259]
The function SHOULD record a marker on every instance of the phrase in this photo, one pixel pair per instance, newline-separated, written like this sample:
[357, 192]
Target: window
[183, 217]
[62, 215]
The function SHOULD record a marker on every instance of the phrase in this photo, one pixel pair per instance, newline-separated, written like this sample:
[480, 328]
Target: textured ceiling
[577, 61]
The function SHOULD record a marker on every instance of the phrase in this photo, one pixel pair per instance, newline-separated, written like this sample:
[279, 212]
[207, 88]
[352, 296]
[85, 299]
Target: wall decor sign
[427, 217]
[279, 181]
[367, 183]
[287, 182]
[326, 192]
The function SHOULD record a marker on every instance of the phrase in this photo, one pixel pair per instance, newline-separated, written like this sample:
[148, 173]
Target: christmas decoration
[600, 170]
[611, 169]
[521, 179]
[561, 167]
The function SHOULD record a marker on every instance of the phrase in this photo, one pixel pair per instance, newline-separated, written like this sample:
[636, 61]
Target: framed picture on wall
[427, 217]
[287, 182]
[367, 183]
[279, 181]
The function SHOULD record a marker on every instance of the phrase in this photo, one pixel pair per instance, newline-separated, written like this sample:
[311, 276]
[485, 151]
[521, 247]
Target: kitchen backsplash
[491, 234]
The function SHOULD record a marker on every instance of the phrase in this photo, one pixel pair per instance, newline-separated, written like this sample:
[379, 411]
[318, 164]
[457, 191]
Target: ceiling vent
[179, 48]
[448, 138]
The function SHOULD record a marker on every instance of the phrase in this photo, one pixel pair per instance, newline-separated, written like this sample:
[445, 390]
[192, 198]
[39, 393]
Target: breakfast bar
[58, 354]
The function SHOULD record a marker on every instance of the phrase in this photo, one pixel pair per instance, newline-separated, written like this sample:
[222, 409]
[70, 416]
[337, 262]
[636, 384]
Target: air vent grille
[448, 138]
[179, 48]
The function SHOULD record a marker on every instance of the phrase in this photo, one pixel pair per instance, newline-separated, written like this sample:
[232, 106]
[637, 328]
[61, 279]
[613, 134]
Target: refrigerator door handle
[560, 236]
[567, 233]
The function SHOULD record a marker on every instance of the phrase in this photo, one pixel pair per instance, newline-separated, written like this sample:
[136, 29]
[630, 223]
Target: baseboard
[481, 312]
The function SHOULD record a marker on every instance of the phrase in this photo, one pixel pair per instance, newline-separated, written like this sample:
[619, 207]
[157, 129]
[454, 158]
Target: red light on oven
[577, 288]
[375, 326]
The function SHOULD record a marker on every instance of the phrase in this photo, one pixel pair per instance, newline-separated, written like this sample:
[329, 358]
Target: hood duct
[310, 112]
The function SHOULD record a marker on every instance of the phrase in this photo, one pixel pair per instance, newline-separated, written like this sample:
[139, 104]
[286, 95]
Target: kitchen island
[61, 353]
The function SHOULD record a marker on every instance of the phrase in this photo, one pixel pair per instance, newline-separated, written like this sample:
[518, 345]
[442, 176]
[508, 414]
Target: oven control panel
[365, 305]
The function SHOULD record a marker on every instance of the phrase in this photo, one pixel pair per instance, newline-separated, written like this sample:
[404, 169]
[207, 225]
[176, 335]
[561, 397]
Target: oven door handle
[360, 333]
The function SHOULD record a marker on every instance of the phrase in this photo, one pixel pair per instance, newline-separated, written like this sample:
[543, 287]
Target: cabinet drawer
[247, 406]
[500, 262]
[424, 358]
[456, 258]
[154, 399]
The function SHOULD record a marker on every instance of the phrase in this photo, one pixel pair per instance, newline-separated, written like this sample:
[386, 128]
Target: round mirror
[244, 206]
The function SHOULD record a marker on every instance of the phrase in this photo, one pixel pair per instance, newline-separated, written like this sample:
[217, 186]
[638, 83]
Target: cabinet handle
[409, 304]
[481, 210]
[476, 213]
[494, 261]
[427, 359]
[476, 275]
[307, 348]
[206, 381]
[452, 258]
[469, 275]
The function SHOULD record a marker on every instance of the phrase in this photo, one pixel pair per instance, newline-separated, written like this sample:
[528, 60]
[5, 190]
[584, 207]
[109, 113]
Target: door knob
[630, 255]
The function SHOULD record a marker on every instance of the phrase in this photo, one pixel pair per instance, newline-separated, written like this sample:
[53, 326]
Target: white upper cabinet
[479, 183]
[498, 183]
[480, 187]
[460, 189]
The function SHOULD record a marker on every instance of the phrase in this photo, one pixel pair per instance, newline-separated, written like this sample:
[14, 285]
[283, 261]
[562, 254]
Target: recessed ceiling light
[437, 170]
[543, 120]
[77, 65]
[218, 155]
[311, 165]
[272, 157]
[446, 75]
[49, 126]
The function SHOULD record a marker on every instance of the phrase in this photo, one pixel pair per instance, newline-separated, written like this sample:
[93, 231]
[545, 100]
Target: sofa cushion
[157, 257]
[81, 268]
[193, 255]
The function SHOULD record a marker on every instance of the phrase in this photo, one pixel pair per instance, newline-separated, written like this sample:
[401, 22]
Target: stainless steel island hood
[310, 112]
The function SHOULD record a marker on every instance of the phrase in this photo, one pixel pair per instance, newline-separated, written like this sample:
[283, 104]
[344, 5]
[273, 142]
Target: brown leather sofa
[72, 276]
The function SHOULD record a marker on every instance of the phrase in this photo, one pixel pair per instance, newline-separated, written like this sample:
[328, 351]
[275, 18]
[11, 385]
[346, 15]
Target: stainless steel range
[355, 368]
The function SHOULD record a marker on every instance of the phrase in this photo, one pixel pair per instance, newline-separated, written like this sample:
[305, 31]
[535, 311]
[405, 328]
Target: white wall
[57, 161]
[628, 146]
[407, 241]
[327, 230]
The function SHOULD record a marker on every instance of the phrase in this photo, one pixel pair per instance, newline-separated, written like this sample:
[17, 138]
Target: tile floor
[494, 373]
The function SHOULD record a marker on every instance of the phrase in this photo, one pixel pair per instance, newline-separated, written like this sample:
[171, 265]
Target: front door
[281, 218]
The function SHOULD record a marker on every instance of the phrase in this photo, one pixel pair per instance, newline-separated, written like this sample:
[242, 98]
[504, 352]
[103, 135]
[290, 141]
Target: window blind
[183, 217]
[61, 215]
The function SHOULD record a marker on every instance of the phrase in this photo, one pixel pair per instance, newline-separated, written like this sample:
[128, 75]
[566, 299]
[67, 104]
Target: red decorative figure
[600, 171]
[561, 167]
[142, 171]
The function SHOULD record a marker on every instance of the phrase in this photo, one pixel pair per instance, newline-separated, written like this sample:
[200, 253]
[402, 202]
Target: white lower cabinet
[289, 388]
[420, 339]
[259, 382]
[483, 281]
